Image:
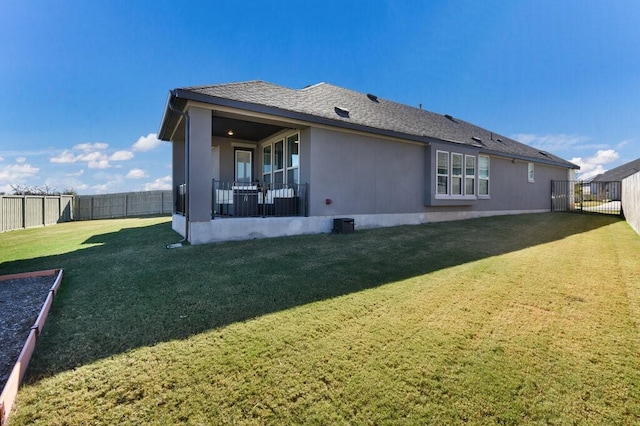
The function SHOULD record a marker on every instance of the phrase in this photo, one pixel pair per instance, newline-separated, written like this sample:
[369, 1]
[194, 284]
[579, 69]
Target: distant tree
[33, 190]
[70, 191]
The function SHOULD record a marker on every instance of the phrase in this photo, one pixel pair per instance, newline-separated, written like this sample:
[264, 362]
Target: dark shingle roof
[346, 108]
[619, 173]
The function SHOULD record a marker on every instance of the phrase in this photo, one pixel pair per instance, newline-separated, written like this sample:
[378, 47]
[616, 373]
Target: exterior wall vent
[342, 112]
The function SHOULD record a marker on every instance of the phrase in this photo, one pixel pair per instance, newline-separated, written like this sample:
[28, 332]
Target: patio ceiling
[243, 130]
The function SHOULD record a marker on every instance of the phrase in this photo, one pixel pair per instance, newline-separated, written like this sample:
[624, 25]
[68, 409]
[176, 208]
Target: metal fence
[109, 206]
[28, 211]
[586, 197]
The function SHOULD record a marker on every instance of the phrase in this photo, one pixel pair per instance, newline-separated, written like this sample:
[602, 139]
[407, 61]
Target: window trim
[272, 141]
[450, 176]
[531, 173]
[438, 174]
[472, 177]
[488, 178]
[235, 163]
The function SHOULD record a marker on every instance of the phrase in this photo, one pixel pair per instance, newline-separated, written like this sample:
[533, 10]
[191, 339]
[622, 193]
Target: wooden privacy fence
[108, 206]
[28, 211]
[631, 200]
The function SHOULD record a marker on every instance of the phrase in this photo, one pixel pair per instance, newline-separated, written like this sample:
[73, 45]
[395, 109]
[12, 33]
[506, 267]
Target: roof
[619, 173]
[325, 103]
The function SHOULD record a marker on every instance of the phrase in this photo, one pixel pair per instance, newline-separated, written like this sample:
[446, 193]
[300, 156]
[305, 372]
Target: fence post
[24, 212]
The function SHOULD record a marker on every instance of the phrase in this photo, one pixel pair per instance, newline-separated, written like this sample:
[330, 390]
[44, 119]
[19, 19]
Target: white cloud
[1, 159]
[146, 143]
[65, 157]
[78, 173]
[121, 156]
[91, 146]
[622, 144]
[160, 183]
[556, 142]
[136, 174]
[100, 188]
[98, 164]
[15, 173]
[21, 160]
[593, 166]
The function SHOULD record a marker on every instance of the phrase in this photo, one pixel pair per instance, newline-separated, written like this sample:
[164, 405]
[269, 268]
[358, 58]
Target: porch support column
[200, 131]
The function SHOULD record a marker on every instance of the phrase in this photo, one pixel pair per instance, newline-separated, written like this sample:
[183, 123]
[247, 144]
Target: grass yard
[504, 320]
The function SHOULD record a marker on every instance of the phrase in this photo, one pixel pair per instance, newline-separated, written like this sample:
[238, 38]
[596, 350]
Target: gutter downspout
[186, 166]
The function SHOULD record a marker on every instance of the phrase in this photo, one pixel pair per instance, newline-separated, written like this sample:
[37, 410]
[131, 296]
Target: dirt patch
[21, 300]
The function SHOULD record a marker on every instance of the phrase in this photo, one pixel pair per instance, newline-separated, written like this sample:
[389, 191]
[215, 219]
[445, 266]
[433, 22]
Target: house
[255, 159]
[608, 185]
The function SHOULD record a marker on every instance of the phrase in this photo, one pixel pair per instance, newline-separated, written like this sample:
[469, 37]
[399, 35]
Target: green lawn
[504, 320]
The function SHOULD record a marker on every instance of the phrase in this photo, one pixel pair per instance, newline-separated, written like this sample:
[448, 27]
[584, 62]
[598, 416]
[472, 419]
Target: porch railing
[242, 199]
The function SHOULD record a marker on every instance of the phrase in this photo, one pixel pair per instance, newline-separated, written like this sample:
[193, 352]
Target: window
[243, 166]
[483, 176]
[456, 175]
[281, 161]
[443, 173]
[470, 175]
[278, 162]
[531, 172]
[293, 159]
[266, 164]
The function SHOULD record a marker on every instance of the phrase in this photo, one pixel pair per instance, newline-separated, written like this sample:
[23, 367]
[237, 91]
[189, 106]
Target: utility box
[343, 225]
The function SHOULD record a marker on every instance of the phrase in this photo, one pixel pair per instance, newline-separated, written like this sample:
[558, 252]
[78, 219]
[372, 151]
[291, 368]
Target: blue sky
[84, 83]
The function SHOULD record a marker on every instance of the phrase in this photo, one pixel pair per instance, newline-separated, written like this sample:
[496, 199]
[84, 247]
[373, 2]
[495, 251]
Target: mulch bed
[21, 300]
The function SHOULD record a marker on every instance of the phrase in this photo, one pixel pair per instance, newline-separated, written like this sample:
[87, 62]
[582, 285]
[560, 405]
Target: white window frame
[482, 178]
[457, 177]
[439, 175]
[280, 137]
[449, 176]
[531, 172]
[235, 164]
[470, 177]
[287, 154]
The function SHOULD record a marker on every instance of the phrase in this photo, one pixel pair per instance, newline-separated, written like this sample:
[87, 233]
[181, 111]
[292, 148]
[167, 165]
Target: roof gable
[619, 173]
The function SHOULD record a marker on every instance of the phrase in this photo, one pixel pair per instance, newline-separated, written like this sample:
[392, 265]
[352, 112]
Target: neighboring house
[608, 185]
[255, 159]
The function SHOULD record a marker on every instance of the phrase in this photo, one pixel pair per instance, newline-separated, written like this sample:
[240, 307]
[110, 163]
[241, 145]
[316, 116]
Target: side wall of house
[510, 189]
[355, 174]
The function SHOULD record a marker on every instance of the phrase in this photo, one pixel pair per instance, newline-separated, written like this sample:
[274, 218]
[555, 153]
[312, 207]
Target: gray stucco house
[254, 159]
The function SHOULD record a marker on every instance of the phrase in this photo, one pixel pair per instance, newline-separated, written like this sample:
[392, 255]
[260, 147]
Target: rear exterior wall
[355, 174]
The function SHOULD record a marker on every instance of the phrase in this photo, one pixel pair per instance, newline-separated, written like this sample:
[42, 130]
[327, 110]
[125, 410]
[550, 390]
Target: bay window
[456, 175]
